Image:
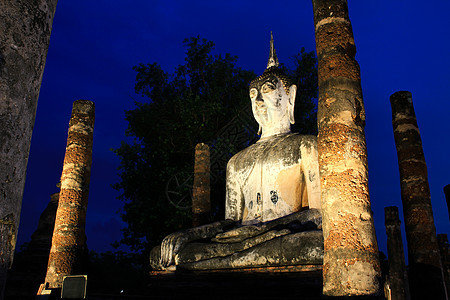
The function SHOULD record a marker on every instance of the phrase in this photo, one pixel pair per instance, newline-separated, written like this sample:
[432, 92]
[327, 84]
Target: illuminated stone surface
[351, 265]
[68, 242]
[25, 28]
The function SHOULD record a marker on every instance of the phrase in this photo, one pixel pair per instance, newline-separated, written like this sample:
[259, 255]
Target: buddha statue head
[273, 97]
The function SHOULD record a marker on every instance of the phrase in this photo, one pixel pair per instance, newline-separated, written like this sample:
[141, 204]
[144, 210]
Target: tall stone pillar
[398, 278]
[68, 240]
[25, 28]
[423, 252]
[201, 203]
[351, 266]
[447, 197]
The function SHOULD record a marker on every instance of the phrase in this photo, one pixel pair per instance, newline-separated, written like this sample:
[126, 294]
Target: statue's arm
[307, 219]
[234, 201]
[310, 168]
[172, 243]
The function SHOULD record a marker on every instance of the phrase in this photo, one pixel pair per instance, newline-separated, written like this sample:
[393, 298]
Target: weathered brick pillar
[398, 278]
[423, 252]
[68, 240]
[25, 28]
[447, 197]
[201, 203]
[351, 266]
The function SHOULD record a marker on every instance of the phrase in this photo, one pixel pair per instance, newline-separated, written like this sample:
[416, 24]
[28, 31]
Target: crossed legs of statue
[291, 240]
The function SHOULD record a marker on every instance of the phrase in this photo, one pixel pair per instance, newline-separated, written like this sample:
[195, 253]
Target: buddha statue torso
[272, 178]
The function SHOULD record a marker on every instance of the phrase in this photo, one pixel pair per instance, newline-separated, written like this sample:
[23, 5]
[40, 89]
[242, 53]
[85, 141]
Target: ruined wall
[25, 28]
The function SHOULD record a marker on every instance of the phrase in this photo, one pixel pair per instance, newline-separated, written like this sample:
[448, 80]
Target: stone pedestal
[398, 278]
[423, 253]
[201, 203]
[68, 242]
[351, 265]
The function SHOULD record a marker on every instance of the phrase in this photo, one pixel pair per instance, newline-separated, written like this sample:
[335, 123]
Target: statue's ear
[257, 118]
[292, 94]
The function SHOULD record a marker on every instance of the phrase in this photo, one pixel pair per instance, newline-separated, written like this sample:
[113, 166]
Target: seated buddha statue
[272, 213]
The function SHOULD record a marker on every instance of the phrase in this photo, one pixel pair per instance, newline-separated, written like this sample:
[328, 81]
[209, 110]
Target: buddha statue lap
[272, 212]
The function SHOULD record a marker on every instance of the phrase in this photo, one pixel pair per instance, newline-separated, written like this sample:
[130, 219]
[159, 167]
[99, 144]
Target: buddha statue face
[272, 104]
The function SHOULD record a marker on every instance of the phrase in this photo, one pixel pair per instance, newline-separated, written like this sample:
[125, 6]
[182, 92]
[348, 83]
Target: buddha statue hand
[170, 247]
[239, 234]
[173, 243]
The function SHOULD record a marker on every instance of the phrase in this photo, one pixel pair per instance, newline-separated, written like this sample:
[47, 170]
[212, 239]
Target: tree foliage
[180, 110]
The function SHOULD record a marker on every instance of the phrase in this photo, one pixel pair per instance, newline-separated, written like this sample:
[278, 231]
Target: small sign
[74, 287]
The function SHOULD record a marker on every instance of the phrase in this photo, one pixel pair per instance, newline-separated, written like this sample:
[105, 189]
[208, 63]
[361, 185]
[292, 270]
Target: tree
[182, 109]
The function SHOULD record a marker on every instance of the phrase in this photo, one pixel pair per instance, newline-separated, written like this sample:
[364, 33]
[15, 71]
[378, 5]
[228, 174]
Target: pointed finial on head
[273, 60]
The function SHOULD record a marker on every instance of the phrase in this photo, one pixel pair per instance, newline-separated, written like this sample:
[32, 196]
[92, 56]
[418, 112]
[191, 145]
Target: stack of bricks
[68, 242]
[201, 203]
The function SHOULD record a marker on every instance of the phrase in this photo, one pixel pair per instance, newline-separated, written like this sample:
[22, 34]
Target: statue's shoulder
[305, 138]
[244, 156]
[302, 140]
[292, 147]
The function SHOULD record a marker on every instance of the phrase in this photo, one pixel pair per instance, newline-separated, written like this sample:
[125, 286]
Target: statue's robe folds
[273, 187]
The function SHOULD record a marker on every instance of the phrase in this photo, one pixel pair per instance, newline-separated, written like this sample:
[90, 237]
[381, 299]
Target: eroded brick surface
[351, 265]
[68, 242]
[414, 181]
[201, 204]
[423, 251]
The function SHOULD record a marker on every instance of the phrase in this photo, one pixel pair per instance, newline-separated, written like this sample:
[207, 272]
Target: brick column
[201, 204]
[25, 28]
[423, 252]
[351, 266]
[69, 236]
[398, 278]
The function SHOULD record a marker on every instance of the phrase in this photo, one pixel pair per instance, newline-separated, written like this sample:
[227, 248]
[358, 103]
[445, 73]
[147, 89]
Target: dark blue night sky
[402, 45]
